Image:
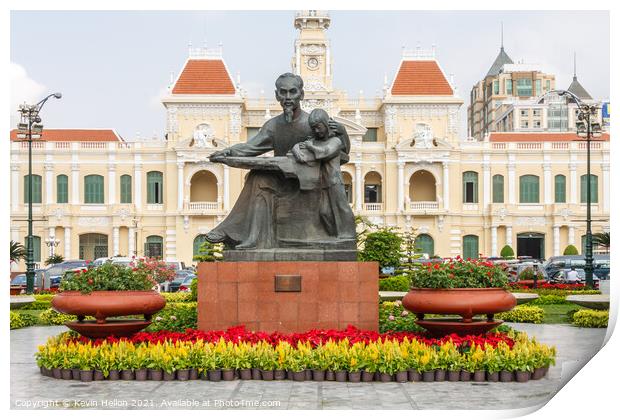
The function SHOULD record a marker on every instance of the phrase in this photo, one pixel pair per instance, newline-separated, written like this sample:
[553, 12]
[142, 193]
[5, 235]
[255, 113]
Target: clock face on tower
[312, 63]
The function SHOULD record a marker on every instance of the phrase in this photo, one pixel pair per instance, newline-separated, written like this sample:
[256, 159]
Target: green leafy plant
[395, 284]
[459, 274]
[52, 317]
[54, 259]
[507, 252]
[209, 252]
[530, 274]
[383, 246]
[590, 318]
[109, 277]
[176, 317]
[193, 295]
[548, 300]
[602, 239]
[571, 250]
[21, 320]
[393, 317]
[18, 252]
[523, 313]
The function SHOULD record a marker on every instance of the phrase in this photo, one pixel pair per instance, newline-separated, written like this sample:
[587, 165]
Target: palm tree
[601, 239]
[18, 252]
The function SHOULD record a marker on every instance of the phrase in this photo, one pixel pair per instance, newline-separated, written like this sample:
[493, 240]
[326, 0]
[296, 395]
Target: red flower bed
[549, 286]
[314, 337]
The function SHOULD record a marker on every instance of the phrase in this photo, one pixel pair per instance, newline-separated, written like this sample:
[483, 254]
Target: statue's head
[289, 92]
[319, 123]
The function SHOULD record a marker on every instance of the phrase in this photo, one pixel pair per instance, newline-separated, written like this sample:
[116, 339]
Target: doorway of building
[93, 246]
[531, 244]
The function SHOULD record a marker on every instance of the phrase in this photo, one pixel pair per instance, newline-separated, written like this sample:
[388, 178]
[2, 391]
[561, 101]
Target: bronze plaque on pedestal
[287, 283]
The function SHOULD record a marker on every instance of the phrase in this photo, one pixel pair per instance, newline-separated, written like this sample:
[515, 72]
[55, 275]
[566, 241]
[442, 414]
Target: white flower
[172, 317]
[397, 302]
[158, 318]
[391, 317]
[405, 313]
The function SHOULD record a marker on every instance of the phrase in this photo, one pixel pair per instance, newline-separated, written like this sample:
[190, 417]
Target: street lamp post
[587, 127]
[30, 126]
[52, 243]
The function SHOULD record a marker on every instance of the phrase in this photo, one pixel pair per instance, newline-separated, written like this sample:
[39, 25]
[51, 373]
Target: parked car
[182, 285]
[562, 275]
[56, 271]
[515, 270]
[601, 264]
[20, 280]
[179, 277]
[114, 260]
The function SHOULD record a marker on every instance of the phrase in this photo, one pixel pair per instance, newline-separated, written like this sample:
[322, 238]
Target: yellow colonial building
[98, 195]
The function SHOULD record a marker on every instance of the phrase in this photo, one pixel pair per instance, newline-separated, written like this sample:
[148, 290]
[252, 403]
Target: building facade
[101, 196]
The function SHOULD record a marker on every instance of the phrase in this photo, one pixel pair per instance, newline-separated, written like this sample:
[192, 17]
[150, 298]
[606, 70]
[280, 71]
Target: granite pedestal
[333, 294]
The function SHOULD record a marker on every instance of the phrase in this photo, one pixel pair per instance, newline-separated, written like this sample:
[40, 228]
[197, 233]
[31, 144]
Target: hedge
[176, 297]
[590, 318]
[51, 317]
[21, 320]
[176, 317]
[395, 284]
[523, 313]
[548, 300]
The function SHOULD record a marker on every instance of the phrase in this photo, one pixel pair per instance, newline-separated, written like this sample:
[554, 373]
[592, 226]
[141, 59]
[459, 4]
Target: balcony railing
[423, 205]
[202, 205]
[377, 207]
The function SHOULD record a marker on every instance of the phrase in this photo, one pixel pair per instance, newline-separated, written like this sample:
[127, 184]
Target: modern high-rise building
[99, 195]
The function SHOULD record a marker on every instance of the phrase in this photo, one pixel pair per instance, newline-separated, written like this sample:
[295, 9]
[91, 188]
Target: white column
[509, 236]
[486, 184]
[359, 187]
[115, 240]
[226, 188]
[494, 241]
[67, 255]
[556, 240]
[49, 177]
[446, 186]
[137, 180]
[511, 183]
[112, 183]
[548, 197]
[180, 184]
[131, 239]
[75, 183]
[606, 191]
[573, 183]
[401, 187]
[571, 235]
[15, 186]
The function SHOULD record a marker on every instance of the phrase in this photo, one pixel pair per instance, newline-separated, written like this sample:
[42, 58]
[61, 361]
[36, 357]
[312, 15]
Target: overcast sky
[112, 67]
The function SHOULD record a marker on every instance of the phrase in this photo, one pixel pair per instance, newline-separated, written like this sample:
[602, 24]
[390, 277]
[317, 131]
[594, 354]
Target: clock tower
[312, 59]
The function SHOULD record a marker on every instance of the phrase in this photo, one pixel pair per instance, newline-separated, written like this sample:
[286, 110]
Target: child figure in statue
[324, 149]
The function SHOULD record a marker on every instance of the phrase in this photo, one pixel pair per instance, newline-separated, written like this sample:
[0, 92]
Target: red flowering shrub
[314, 337]
[459, 273]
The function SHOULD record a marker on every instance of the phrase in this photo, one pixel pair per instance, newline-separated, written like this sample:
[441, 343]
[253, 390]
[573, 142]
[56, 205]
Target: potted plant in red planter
[107, 291]
[458, 287]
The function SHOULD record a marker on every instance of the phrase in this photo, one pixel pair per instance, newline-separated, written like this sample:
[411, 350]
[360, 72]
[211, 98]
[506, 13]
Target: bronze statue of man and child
[295, 200]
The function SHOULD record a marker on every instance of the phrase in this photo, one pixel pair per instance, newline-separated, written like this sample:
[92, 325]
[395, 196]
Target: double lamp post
[28, 129]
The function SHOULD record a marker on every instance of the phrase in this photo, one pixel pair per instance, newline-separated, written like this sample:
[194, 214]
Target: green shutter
[472, 178]
[593, 189]
[125, 189]
[36, 247]
[93, 189]
[425, 244]
[560, 189]
[498, 188]
[529, 189]
[470, 247]
[370, 136]
[154, 187]
[154, 246]
[36, 189]
[62, 189]
[509, 87]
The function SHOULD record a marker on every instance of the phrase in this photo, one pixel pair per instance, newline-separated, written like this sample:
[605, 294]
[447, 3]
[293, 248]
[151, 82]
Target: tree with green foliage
[571, 250]
[18, 252]
[409, 250]
[507, 252]
[383, 246]
[54, 259]
[209, 252]
[601, 239]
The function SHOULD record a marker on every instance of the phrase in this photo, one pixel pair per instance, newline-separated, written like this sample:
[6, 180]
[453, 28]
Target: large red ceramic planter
[104, 304]
[466, 302]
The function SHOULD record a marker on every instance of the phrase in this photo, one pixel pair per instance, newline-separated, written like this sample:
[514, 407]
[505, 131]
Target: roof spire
[574, 64]
[502, 35]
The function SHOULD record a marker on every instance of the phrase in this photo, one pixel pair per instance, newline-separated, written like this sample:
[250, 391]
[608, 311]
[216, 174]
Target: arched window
[36, 189]
[93, 189]
[125, 189]
[560, 189]
[593, 189]
[198, 241]
[372, 188]
[529, 189]
[154, 246]
[424, 244]
[36, 247]
[62, 189]
[470, 247]
[498, 188]
[348, 186]
[155, 187]
[470, 187]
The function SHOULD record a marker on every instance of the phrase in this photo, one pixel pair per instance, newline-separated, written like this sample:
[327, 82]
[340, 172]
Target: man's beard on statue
[288, 114]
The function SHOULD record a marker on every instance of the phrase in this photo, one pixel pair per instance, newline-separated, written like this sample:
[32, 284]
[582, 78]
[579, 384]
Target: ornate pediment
[423, 141]
[353, 128]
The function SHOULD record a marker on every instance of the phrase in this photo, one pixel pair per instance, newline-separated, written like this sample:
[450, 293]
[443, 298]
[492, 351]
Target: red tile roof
[507, 137]
[70, 134]
[204, 77]
[420, 77]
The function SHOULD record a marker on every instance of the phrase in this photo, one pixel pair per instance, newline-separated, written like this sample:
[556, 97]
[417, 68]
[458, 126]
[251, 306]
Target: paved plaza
[31, 390]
